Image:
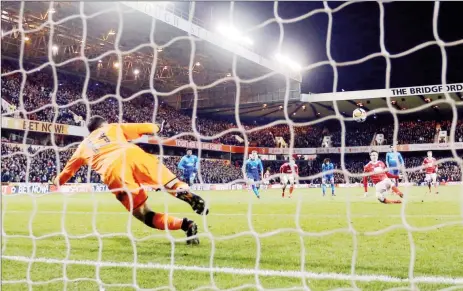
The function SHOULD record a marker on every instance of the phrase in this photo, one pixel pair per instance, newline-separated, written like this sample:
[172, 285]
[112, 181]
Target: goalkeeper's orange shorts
[134, 171]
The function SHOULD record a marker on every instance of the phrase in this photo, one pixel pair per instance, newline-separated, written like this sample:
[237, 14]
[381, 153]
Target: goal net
[63, 63]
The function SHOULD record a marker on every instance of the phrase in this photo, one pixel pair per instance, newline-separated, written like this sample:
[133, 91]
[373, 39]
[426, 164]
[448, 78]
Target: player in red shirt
[380, 177]
[290, 172]
[430, 165]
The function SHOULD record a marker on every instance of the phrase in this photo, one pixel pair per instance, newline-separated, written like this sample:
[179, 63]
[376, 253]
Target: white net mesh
[64, 231]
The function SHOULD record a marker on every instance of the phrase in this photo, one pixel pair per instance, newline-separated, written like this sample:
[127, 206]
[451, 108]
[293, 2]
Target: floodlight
[234, 35]
[136, 71]
[163, 4]
[116, 65]
[287, 62]
[247, 40]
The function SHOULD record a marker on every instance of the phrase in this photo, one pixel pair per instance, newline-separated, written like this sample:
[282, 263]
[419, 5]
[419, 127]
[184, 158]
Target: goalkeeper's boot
[191, 229]
[196, 202]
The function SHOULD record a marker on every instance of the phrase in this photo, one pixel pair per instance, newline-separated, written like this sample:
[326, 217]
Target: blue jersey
[394, 159]
[188, 164]
[326, 168]
[254, 168]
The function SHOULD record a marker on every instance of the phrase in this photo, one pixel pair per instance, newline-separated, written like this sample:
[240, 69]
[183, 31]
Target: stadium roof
[108, 24]
[430, 100]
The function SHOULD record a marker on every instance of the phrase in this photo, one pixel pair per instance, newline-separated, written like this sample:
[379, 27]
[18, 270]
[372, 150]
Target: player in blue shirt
[189, 166]
[327, 175]
[394, 160]
[254, 172]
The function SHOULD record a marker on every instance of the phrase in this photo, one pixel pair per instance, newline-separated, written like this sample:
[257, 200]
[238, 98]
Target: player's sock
[291, 188]
[396, 191]
[323, 189]
[161, 220]
[332, 190]
[396, 182]
[429, 186]
[389, 201]
[283, 193]
[255, 190]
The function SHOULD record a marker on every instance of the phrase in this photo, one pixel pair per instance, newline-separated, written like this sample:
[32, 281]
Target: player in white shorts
[289, 172]
[430, 165]
[266, 179]
[381, 178]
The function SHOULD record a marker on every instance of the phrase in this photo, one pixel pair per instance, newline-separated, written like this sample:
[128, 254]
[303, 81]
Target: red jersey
[286, 169]
[431, 165]
[378, 171]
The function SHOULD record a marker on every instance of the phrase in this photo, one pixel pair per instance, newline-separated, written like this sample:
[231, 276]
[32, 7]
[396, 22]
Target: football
[359, 115]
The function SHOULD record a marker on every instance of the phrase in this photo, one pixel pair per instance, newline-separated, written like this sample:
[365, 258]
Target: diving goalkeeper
[125, 167]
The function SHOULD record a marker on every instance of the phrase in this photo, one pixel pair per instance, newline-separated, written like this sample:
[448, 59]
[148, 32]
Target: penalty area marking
[239, 271]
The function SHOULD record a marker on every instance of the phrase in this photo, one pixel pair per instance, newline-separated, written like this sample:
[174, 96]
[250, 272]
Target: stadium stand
[38, 93]
[38, 89]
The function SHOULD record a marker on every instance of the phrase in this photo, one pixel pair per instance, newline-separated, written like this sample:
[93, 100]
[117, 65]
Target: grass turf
[320, 235]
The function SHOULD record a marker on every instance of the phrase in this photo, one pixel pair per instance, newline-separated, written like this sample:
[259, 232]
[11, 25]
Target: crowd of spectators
[447, 124]
[32, 165]
[416, 132]
[41, 166]
[99, 99]
[356, 134]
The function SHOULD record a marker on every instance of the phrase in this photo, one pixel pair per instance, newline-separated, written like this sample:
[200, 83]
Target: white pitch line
[245, 214]
[242, 271]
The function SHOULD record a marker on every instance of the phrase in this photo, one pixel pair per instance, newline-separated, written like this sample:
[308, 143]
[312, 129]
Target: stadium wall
[43, 188]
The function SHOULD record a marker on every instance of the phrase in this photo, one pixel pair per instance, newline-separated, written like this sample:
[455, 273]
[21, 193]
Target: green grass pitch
[308, 241]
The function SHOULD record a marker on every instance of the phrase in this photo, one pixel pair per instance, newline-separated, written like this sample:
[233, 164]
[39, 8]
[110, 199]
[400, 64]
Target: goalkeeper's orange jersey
[106, 148]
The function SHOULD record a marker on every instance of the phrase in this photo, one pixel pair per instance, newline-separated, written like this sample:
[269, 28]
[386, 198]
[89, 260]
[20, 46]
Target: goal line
[243, 271]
